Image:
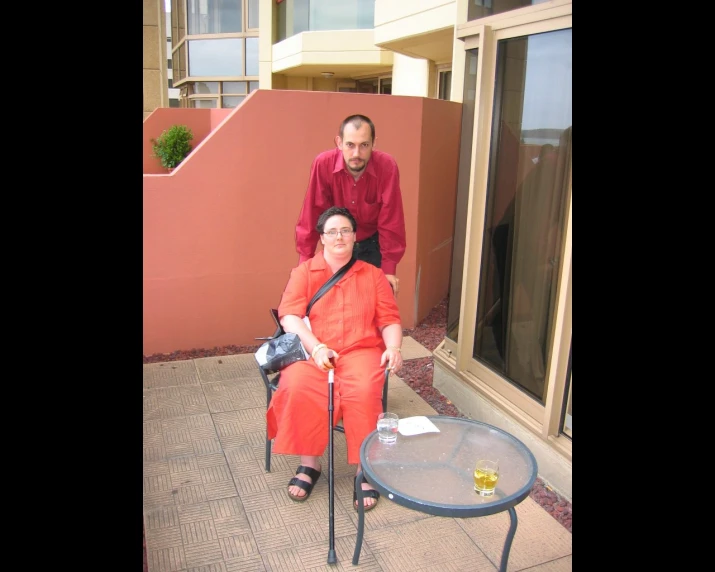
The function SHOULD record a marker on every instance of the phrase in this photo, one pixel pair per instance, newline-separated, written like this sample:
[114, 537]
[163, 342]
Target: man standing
[367, 183]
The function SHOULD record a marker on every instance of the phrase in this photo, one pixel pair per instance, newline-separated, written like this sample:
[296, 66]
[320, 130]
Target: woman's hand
[392, 359]
[322, 358]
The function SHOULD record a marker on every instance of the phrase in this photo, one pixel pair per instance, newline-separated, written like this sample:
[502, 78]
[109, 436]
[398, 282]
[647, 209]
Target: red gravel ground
[417, 373]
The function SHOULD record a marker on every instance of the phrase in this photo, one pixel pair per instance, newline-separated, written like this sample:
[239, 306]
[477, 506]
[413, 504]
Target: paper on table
[416, 425]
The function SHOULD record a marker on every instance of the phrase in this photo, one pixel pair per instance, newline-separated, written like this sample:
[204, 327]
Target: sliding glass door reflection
[527, 194]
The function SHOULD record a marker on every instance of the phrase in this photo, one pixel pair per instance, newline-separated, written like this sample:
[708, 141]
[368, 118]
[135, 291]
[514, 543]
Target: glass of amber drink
[486, 475]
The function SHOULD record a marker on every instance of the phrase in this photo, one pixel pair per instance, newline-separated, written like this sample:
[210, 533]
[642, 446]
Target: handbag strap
[333, 279]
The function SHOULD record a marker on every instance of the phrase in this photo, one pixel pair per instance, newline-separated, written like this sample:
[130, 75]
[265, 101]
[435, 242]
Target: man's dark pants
[369, 250]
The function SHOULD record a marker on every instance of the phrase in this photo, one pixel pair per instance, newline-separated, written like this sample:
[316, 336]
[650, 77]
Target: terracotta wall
[438, 166]
[219, 232]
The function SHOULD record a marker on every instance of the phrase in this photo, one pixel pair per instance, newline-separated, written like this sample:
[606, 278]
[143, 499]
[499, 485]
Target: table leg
[509, 538]
[361, 517]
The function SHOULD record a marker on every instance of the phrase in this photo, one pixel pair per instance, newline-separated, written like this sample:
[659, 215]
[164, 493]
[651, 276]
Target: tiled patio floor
[210, 506]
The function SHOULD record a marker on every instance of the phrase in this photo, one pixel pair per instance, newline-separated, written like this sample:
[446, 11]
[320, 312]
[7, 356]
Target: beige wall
[278, 81]
[410, 76]
[155, 83]
[395, 20]
[330, 47]
[322, 84]
[300, 83]
[267, 33]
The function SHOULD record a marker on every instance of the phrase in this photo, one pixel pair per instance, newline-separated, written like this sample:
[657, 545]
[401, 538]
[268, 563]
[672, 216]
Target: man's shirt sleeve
[317, 199]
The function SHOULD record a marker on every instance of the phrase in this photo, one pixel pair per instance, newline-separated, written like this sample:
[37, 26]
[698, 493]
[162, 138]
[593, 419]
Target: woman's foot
[370, 496]
[307, 474]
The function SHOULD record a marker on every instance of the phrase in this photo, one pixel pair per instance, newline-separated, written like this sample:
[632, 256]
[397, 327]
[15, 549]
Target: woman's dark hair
[332, 211]
[357, 121]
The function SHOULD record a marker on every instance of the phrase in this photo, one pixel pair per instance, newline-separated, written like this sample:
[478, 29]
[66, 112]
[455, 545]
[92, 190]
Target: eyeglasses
[342, 232]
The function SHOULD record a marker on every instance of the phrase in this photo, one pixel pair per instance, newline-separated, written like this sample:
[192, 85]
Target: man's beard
[359, 169]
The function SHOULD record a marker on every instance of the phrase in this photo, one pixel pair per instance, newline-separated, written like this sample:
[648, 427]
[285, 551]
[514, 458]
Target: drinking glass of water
[387, 427]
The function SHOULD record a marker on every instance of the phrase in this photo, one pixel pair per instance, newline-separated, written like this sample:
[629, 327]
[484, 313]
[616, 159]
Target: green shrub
[173, 145]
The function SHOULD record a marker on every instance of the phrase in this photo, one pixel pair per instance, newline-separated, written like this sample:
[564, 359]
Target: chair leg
[268, 454]
[268, 441]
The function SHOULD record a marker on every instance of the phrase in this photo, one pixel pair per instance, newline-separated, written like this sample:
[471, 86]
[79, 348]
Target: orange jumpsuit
[347, 319]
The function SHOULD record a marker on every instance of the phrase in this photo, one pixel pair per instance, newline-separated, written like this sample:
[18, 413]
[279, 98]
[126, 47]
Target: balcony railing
[314, 15]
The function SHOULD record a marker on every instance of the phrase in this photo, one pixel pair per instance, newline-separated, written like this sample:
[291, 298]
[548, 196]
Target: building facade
[155, 92]
[214, 51]
[173, 92]
[507, 355]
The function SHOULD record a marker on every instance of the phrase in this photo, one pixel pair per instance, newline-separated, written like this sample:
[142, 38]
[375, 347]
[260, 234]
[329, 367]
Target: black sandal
[370, 493]
[305, 485]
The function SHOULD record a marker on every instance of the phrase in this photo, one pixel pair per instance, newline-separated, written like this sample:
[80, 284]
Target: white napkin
[416, 426]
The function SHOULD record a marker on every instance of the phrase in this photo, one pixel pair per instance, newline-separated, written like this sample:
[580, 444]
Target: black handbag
[284, 349]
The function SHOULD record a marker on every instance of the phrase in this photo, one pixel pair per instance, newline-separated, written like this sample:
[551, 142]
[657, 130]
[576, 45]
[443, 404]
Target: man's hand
[394, 282]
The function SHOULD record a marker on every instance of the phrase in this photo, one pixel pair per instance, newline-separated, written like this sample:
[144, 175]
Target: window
[203, 103]
[386, 85]
[372, 85]
[214, 16]
[527, 195]
[251, 56]
[226, 94]
[233, 56]
[205, 87]
[216, 57]
[238, 87]
[232, 100]
[445, 85]
[312, 15]
[367, 85]
[253, 14]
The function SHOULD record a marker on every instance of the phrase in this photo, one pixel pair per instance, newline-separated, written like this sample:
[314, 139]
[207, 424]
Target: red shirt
[375, 200]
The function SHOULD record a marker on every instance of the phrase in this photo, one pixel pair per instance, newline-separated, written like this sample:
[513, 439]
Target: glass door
[526, 212]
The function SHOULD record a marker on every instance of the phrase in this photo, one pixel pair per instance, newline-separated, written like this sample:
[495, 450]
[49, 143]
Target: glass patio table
[433, 472]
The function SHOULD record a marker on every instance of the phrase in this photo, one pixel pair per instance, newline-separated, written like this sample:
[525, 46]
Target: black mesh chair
[271, 381]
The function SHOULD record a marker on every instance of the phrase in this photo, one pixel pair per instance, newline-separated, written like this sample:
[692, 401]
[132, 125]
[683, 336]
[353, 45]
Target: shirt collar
[318, 263]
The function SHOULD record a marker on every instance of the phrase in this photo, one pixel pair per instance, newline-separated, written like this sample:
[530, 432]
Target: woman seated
[356, 324]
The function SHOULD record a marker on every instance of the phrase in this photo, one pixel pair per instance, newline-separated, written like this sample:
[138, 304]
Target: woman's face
[341, 243]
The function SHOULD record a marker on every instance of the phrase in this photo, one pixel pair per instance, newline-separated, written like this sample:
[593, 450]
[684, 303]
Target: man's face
[356, 145]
